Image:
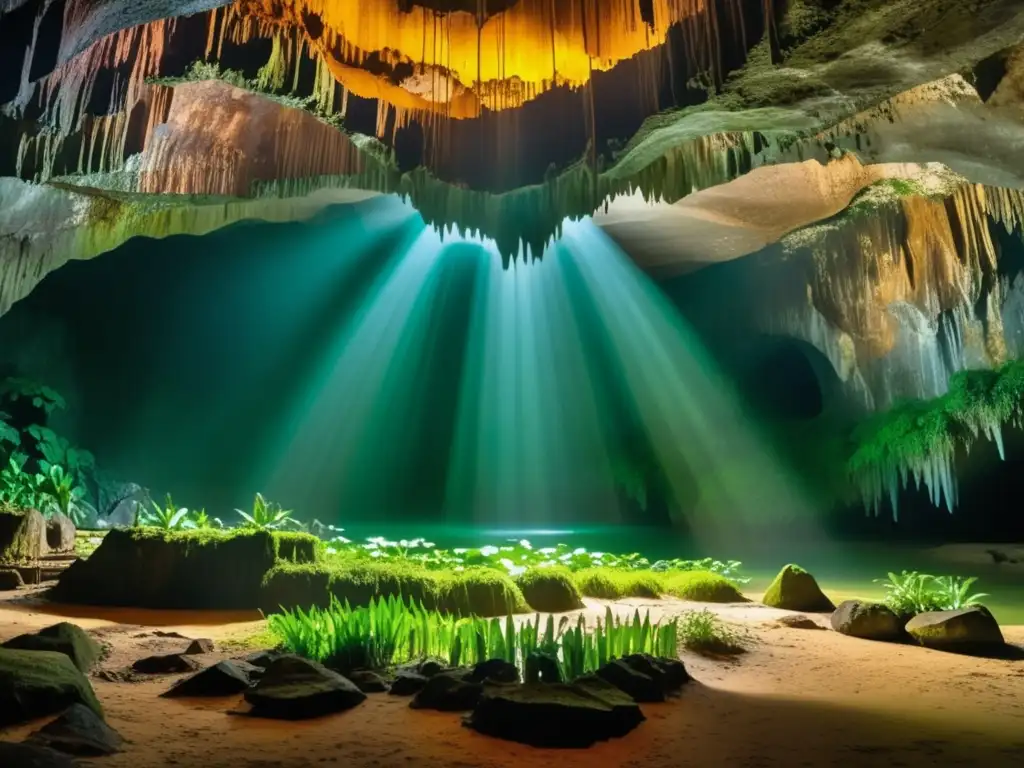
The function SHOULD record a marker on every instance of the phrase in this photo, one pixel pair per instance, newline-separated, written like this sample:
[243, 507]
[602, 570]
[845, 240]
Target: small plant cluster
[391, 630]
[910, 592]
[40, 469]
[264, 516]
[519, 555]
[705, 633]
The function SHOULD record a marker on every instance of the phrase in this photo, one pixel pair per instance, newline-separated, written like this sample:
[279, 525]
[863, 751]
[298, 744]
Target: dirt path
[798, 698]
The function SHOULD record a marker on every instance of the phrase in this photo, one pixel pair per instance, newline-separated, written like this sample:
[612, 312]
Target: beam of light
[528, 445]
[692, 418]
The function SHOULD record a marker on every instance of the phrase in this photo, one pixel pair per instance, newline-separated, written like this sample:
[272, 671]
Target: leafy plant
[266, 515]
[910, 592]
[168, 517]
[19, 489]
[8, 434]
[41, 397]
[62, 494]
[198, 518]
[953, 592]
[704, 632]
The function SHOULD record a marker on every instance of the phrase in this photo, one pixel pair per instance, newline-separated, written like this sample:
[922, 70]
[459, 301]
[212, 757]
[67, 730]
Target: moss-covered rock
[794, 589]
[551, 590]
[152, 568]
[869, 621]
[10, 579]
[607, 584]
[969, 630]
[22, 536]
[702, 587]
[69, 639]
[40, 683]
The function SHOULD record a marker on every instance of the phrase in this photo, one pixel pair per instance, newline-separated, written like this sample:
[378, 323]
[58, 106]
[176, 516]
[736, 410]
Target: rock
[198, 646]
[407, 683]
[424, 667]
[969, 630]
[69, 639]
[60, 534]
[558, 715]
[169, 664]
[225, 678]
[22, 536]
[79, 731]
[10, 580]
[644, 678]
[495, 670]
[541, 667]
[448, 692]
[263, 658]
[794, 589]
[799, 621]
[33, 756]
[293, 688]
[869, 621]
[174, 635]
[40, 683]
[369, 682]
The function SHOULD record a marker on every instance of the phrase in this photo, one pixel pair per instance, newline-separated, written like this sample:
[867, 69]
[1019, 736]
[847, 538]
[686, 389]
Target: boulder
[60, 534]
[225, 678]
[169, 664]
[40, 683]
[969, 630]
[448, 692]
[558, 715]
[79, 731]
[369, 682]
[293, 688]
[69, 639]
[407, 683]
[263, 658]
[644, 678]
[869, 621]
[22, 536]
[495, 670]
[541, 667]
[10, 580]
[33, 756]
[794, 589]
[198, 646]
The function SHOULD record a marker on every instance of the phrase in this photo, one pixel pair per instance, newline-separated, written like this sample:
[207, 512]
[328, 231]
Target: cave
[508, 382]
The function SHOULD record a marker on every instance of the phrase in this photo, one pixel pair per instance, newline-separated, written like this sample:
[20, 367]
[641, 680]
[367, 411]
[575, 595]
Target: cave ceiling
[694, 131]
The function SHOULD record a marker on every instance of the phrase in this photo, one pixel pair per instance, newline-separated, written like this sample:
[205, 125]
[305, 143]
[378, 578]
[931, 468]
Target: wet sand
[799, 697]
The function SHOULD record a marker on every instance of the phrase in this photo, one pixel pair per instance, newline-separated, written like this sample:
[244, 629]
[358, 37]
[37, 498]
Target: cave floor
[798, 697]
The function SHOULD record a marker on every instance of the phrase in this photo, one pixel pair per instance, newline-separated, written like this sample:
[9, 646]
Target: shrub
[910, 593]
[551, 590]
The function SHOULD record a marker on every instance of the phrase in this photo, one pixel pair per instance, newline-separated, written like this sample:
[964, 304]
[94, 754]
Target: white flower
[525, 544]
[488, 551]
[547, 551]
[376, 553]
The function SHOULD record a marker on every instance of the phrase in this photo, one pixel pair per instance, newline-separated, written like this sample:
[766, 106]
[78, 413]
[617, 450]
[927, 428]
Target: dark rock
[969, 630]
[22, 536]
[799, 621]
[60, 534]
[225, 678]
[869, 621]
[495, 670]
[794, 589]
[173, 635]
[10, 580]
[40, 683]
[169, 664]
[369, 682]
[263, 658]
[293, 688]
[79, 731]
[407, 683]
[559, 715]
[69, 639]
[448, 692]
[424, 667]
[200, 645]
[644, 678]
[541, 667]
[33, 756]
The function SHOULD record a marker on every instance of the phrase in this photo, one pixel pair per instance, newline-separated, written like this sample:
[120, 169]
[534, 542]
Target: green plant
[910, 592]
[266, 515]
[168, 517]
[20, 489]
[62, 494]
[41, 397]
[953, 592]
[703, 632]
[199, 519]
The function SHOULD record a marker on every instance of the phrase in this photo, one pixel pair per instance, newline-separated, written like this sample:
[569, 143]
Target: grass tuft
[705, 633]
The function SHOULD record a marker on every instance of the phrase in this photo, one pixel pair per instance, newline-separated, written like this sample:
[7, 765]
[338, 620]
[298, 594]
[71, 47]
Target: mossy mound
[40, 683]
[69, 639]
[606, 584]
[22, 536]
[475, 591]
[152, 568]
[794, 589]
[702, 587]
[551, 590]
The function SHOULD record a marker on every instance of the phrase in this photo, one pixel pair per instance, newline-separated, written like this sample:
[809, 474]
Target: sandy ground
[799, 697]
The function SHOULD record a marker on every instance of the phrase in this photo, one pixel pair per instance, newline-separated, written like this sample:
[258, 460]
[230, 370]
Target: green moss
[794, 589]
[22, 536]
[702, 587]
[551, 590]
[475, 591]
[607, 584]
[40, 683]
